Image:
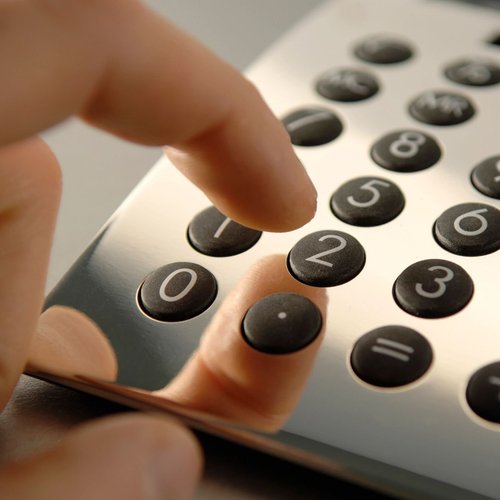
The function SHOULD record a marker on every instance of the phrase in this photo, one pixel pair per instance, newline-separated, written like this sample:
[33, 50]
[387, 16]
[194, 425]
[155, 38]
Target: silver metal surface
[426, 428]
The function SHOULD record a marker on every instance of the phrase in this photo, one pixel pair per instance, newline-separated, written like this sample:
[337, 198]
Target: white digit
[368, 186]
[315, 117]
[440, 281]
[407, 144]
[375, 44]
[497, 178]
[316, 258]
[475, 214]
[221, 228]
[187, 289]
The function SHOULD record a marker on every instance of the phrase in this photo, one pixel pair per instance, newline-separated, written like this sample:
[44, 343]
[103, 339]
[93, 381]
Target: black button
[347, 85]
[367, 201]
[383, 50]
[391, 356]
[469, 229]
[312, 126]
[326, 258]
[281, 323]
[406, 151]
[494, 40]
[474, 72]
[483, 392]
[177, 291]
[212, 233]
[486, 177]
[433, 288]
[441, 108]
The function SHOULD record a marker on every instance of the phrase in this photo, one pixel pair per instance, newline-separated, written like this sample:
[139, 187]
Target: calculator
[393, 107]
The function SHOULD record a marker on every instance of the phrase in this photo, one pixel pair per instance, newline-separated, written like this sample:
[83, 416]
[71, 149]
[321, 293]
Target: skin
[156, 85]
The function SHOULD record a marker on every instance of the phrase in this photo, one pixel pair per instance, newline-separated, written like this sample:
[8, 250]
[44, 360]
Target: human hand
[125, 70]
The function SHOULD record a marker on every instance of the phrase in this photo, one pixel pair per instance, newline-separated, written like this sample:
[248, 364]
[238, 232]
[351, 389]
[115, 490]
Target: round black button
[486, 177]
[474, 72]
[312, 126]
[212, 233]
[367, 201]
[469, 229]
[381, 49]
[406, 151]
[347, 85]
[433, 288]
[483, 392]
[281, 323]
[441, 108]
[326, 258]
[177, 291]
[391, 356]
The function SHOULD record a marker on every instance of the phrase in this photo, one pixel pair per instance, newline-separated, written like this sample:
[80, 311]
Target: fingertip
[133, 456]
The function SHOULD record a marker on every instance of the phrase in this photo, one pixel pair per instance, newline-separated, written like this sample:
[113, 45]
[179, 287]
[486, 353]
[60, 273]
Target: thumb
[137, 457]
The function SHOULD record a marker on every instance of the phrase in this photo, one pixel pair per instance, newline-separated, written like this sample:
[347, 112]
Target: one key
[312, 126]
[281, 323]
[212, 233]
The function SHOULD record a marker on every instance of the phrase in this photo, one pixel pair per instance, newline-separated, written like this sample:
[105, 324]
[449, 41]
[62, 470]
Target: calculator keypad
[406, 151]
[347, 85]
[379, 49]
[436, 107]
[483, 392]
[282, 323]
[486, 177]
[476, 73]
[367, 201]
[212, 233]
[433, 288]
[469, 229]
[391, 356]
[312, 126]
[177, 291]
[326, 258]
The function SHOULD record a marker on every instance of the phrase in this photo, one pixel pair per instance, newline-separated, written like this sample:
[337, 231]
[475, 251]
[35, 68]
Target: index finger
[129, 71]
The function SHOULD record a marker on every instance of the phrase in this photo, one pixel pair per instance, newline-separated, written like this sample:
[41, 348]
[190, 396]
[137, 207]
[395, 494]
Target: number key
[177, 292]
[406, 151]
[433, 288]
[326, 258]
[212, 233]
[469, 229]
[486, 177]
[367, 201]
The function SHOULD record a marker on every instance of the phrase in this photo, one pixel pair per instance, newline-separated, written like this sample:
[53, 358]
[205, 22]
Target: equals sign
[395, 350]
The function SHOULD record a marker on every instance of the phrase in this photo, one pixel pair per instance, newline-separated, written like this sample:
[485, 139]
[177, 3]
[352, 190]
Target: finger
[228, 378]
[135, 457]
[68, 343]
[29, 199]
[127, 70]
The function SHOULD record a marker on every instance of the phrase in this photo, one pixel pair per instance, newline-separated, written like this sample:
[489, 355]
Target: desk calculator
[393, 107]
